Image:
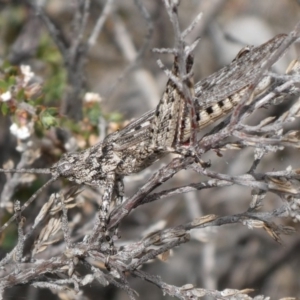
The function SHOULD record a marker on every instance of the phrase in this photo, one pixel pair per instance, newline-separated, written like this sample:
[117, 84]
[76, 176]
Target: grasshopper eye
[65, 169]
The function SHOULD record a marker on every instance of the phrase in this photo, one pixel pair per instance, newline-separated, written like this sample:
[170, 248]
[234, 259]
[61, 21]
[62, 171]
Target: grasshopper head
[68, 166]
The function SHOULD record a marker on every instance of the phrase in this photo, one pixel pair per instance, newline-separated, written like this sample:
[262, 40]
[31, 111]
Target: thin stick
[27, 203]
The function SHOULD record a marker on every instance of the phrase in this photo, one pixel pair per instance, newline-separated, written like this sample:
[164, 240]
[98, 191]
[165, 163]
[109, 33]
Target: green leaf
[115, 117]
[12, 80]
[21, 95]
[4, 85]
[4, 109]
[93, 115]
[53, 111]
[38, 129]
[48, 120]
[5, 65]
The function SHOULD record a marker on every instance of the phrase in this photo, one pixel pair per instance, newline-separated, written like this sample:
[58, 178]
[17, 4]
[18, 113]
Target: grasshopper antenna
[33, 171]
[31, 199]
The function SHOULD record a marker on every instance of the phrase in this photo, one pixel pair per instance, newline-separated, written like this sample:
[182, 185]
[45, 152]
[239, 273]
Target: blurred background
[227, 257]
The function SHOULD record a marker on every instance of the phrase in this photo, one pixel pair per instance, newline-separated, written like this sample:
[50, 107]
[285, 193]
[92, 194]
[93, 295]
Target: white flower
[28, 75]
[21, 133]
[92, 97]
[6, 96]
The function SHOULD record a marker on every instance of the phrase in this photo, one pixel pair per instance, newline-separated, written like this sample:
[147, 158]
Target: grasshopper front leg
[100, 227]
